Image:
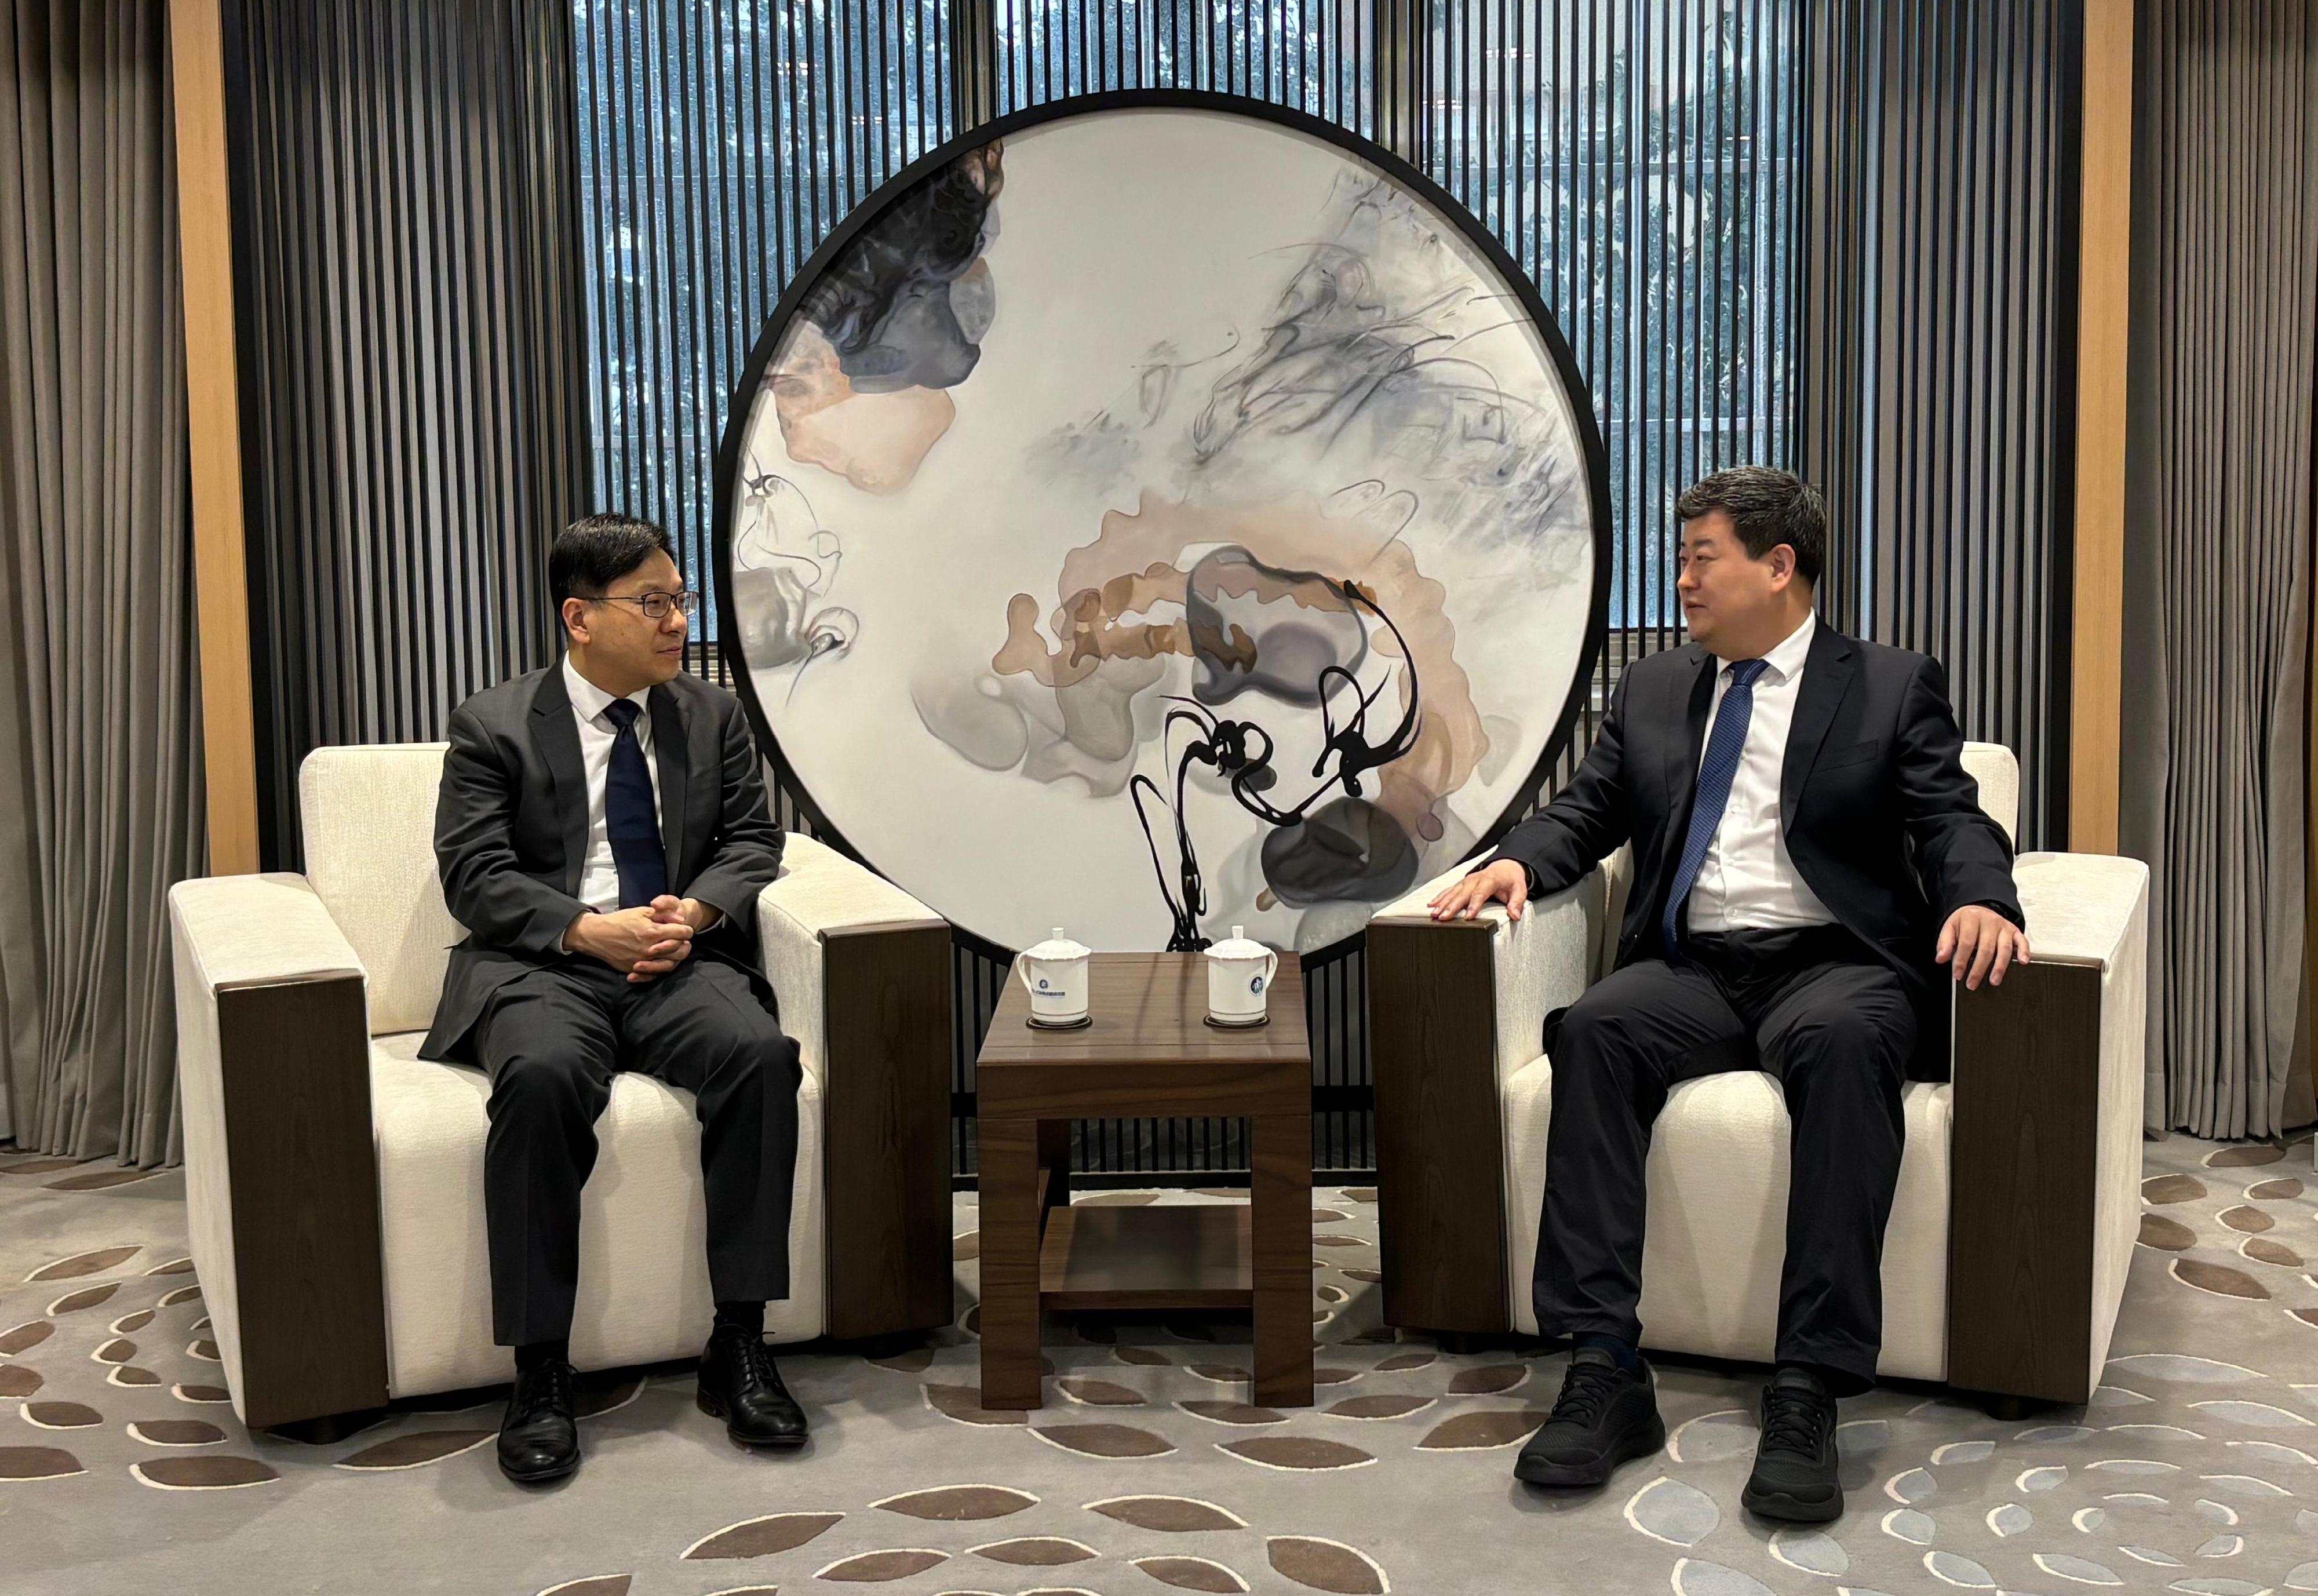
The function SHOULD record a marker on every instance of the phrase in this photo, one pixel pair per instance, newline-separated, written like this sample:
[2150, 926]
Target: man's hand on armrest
[1980, 944]
[1505, 882]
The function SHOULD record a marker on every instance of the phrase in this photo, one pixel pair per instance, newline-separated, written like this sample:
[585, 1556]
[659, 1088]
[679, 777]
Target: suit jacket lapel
[673, 752]
[557, 735]
[1695, 694]
[1828, 671]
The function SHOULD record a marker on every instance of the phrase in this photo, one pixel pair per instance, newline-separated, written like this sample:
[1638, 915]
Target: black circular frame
[742, 405]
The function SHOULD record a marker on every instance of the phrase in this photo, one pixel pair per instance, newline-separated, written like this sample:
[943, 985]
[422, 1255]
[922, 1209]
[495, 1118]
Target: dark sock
[748, 1316]
[1617, 1347]
[1812, 1372]
[529, 1357]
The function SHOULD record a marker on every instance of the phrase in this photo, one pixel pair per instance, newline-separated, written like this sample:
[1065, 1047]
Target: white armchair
[2019, 1199]
[335, 1181]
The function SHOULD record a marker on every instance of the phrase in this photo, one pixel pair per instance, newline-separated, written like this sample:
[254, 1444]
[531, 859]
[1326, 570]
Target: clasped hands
[644, 943]
[1977, 943]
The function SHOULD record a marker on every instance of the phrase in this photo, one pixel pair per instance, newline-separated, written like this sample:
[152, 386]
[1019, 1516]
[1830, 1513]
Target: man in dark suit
[1807, 850]
[603, 833]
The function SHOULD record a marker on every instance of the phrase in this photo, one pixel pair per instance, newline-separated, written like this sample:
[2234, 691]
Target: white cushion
[367, 816]
[1997, 774]
[1716, 1231]
[642, 1227]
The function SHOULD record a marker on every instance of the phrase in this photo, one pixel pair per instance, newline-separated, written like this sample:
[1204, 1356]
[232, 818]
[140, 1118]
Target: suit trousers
[552, 1039]
[1825, 1018]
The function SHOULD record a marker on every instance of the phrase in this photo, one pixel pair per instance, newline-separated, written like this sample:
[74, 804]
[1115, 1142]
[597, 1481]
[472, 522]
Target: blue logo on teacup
[1042, 984]
[1255, 985]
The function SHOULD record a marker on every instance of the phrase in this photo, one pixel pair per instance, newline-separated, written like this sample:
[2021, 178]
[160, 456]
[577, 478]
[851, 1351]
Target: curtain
[2217, 547]
[100, 808]
[1938, 341]
[413, 414]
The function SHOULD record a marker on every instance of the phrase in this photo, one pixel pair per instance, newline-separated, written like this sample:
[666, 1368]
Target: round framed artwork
[1158, 512]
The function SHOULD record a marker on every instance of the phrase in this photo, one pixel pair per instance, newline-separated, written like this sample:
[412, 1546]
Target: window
[1646, 179]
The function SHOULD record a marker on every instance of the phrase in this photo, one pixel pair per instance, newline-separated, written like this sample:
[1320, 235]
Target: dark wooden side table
[1148, 1051]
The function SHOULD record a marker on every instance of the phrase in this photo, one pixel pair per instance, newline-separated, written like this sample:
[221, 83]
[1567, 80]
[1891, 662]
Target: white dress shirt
[599, 877]
[1749, 881]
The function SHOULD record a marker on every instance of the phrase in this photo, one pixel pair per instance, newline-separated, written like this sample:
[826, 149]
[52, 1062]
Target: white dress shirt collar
[590, 700]
[1786, 661]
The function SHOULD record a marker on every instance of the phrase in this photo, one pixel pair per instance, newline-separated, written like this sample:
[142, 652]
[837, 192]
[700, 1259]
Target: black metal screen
[1827, 237]
[1639, 167]
[472, 237]
[1939, 327]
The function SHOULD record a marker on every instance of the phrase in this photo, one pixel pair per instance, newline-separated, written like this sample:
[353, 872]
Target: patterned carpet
[2195, 1469]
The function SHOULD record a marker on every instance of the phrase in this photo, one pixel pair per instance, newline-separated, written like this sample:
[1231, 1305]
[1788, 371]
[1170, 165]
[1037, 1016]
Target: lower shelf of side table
[1175, 1256]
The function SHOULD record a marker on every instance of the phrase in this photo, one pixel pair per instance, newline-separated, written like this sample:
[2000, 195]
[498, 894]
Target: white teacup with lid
[1055, 974]
[1239, 980]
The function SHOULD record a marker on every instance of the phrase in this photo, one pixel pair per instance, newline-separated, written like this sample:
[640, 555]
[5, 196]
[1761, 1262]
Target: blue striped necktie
[1724, 746]
[630, 818]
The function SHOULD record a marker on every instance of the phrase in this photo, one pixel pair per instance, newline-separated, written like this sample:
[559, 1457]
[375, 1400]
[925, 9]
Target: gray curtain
[100, 796]
[1933, 338]
[2217, 537]
[414, 398]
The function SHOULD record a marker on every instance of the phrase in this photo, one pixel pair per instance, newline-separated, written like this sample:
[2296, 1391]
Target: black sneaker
[1794, 1476]
[1603, 1417]
[539, 1439]
[740, 1385]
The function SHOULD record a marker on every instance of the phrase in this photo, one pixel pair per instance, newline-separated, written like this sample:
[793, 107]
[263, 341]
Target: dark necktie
[629, 818]
[1724, 745]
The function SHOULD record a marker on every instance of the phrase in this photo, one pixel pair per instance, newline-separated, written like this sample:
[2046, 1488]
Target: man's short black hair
[1767, 507]
[596, 550]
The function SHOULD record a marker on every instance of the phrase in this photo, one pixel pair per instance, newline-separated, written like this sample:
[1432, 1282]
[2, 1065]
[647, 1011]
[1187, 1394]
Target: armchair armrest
[1455, 1008]
[862, 970]
[2045, 1140]
[281, 1172]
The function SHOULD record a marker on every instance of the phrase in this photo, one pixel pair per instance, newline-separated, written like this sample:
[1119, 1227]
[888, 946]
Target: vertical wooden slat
[2096, 619]
[213, 420]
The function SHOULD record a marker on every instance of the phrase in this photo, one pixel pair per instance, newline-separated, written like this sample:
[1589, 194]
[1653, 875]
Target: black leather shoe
[1794, 1476]
[740, 1385]
[539, 1440]
[1603, 1417]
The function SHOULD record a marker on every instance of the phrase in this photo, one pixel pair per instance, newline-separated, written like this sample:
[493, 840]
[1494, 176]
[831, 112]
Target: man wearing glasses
[603, 833]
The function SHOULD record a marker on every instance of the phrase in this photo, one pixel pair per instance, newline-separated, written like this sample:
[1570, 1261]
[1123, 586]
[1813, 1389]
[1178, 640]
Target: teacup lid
[1238, 946]
[1057, 947]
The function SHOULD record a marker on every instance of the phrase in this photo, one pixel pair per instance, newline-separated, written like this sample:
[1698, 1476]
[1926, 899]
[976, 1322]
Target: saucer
[1235, 1025]
[1080, 1024]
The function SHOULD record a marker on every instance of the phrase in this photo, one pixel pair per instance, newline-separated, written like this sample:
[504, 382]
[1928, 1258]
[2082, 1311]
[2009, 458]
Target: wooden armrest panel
[1440, 1135]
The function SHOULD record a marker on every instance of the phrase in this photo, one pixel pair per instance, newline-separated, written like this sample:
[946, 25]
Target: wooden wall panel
[2104, 253]
[213, 416]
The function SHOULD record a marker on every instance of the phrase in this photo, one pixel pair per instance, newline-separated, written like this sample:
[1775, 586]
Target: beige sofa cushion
[1716, 1231]
[368, 820]
[1997, 774]
[642, 1227]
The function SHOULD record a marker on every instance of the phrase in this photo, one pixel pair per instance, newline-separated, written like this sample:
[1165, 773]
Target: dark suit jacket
[511, 831]
[1880, 817]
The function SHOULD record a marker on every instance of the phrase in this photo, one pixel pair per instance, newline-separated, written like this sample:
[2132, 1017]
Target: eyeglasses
[655, 605]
